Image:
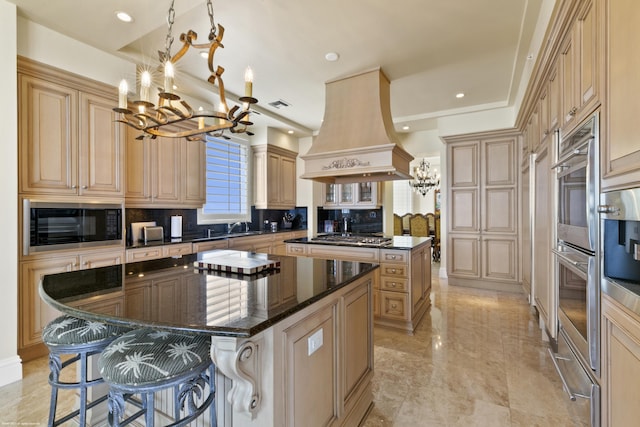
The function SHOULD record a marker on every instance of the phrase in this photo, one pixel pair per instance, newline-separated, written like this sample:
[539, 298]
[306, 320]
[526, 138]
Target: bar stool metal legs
[145, 361]
[79, 339]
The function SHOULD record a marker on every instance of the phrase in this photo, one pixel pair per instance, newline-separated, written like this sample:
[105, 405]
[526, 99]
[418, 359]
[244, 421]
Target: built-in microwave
[61, 225]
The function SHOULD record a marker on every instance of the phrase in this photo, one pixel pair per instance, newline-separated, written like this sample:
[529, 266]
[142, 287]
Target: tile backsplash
[192, 230]
[362, 221]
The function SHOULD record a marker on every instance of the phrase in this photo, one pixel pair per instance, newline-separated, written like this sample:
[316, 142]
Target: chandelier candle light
[157, 120]
[424, 180]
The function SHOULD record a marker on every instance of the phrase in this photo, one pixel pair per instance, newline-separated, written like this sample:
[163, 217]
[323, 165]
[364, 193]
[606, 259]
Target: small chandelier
[155, 120]
[424, 180]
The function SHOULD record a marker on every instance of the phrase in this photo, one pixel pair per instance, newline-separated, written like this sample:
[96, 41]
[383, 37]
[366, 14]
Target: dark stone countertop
[170, 293]
[217, 236]
[398, 242]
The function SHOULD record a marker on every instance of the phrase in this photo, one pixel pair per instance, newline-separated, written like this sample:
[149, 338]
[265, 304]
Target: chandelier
[156, 120]
[423, 179]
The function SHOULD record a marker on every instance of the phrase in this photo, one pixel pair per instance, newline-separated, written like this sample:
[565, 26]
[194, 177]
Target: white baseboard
[10, 370]
[443, 272]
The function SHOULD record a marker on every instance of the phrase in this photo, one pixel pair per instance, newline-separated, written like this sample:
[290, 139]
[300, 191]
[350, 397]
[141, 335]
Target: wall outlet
[314, 342]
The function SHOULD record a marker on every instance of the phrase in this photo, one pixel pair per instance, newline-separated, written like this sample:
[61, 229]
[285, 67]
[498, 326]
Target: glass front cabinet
[355, 195]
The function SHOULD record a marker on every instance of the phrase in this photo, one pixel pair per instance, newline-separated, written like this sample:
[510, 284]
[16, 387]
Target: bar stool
[67, 335]
[144, 361]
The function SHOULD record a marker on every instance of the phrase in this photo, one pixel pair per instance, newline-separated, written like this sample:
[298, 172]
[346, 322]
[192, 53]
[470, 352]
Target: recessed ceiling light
[124, 16]
[290, 132]
[405, 127]
[332, 56]
[460, 95]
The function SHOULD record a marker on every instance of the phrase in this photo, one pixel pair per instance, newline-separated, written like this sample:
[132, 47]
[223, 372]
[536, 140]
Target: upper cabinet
[274, 177]
[360, 195]
[69, 140]
[164, 172]
[619, 125]
[579, 59]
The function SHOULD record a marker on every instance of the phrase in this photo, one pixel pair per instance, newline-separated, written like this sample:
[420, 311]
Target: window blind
[227, 179]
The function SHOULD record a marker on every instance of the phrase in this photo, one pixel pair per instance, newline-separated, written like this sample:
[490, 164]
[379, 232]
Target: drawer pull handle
[394, 305]
[393, 284]
[393, 270]
[393, 257]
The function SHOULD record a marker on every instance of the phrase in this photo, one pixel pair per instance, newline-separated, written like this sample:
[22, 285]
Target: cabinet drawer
[143, 254]
[393, 284]
[293, 249]
[390, 255]
[394, 305]
[176, 250]
[210, 245]
[394, 270]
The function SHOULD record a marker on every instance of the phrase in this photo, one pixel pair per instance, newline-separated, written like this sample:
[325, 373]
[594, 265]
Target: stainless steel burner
[353, 239]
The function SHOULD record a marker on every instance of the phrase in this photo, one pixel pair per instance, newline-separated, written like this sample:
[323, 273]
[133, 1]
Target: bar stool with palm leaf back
[144, 361]
[79, 338]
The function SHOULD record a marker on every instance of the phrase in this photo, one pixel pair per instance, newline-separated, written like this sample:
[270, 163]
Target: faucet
[210, 231]
[230, 227]
[345, 225]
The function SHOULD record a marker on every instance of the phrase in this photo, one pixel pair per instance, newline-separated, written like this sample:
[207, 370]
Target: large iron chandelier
[156, 120]
[424, 179]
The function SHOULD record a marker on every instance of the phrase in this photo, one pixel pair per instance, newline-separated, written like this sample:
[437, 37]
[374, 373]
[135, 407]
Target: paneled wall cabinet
[69, 141]
[164, 172]
[361, 195]
[274, 177]
[483, 209]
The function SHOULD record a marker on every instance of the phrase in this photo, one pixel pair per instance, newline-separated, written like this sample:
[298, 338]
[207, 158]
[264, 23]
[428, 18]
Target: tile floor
[476, 359]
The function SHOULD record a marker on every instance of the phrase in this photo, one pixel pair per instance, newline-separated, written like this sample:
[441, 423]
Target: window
[227, 182]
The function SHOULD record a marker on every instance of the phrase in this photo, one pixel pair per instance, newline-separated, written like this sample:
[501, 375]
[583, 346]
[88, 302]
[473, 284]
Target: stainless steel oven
[51, 225]
[577, 174]
[577, 261]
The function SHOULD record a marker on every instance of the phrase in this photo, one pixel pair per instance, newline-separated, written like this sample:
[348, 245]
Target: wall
[10, 370]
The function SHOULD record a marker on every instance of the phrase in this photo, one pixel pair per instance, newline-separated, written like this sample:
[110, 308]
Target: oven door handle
[561, 255]
[582, 150]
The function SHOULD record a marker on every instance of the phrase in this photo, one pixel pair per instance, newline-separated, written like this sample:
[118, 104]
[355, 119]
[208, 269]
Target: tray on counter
[235, 262]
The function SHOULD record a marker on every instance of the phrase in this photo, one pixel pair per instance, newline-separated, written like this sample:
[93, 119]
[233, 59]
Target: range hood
[357, 141]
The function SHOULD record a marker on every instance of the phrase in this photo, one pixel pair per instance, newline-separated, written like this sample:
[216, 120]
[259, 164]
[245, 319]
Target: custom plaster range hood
[357, 141]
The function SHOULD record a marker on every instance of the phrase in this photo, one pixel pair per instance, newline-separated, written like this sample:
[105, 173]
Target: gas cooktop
[353, 240]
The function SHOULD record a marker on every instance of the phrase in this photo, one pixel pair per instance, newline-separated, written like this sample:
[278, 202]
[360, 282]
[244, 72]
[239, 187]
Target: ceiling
[430, 49]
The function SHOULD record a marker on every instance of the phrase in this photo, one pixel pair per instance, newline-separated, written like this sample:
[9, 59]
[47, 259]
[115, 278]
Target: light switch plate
[314, 342]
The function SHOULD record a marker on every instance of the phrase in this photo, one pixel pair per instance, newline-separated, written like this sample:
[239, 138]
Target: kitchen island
[293, 345]
[402, 288]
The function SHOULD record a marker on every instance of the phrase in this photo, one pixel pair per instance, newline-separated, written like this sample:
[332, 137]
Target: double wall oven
[577, 261]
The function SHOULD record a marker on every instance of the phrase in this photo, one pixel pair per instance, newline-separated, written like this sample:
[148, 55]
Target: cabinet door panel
[621, 149]
[48, 139]
[194, 191]
[167, 176]
[464, 165]
[499, 162]
[101, 147]
[288, 181]
[499, 259]
[137, 170]
[500, 210]
[464, 256]
[464, 210]
[273, 178]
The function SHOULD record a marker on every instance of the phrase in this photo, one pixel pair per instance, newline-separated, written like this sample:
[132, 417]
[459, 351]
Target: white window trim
[204, 218]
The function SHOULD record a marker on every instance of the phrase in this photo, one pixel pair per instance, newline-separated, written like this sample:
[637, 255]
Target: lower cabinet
[329, 383]
[35, 314]
[401, 294]
[620, 372]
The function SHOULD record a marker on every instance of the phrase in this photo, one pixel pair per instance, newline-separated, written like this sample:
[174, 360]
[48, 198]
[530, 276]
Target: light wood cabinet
[210, 245]
[619, 124]
[164, 172]
[401, 292]
[579, 62]
[70, 142]
[361, 195]
[542, 240]
[620, 373]
[274, 177]
[527, 218]
[483, 211]
[35, 314]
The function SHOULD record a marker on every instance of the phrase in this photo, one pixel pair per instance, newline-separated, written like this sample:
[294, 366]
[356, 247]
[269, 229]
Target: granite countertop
[397, 242]
[170, 293]
[217, 236]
